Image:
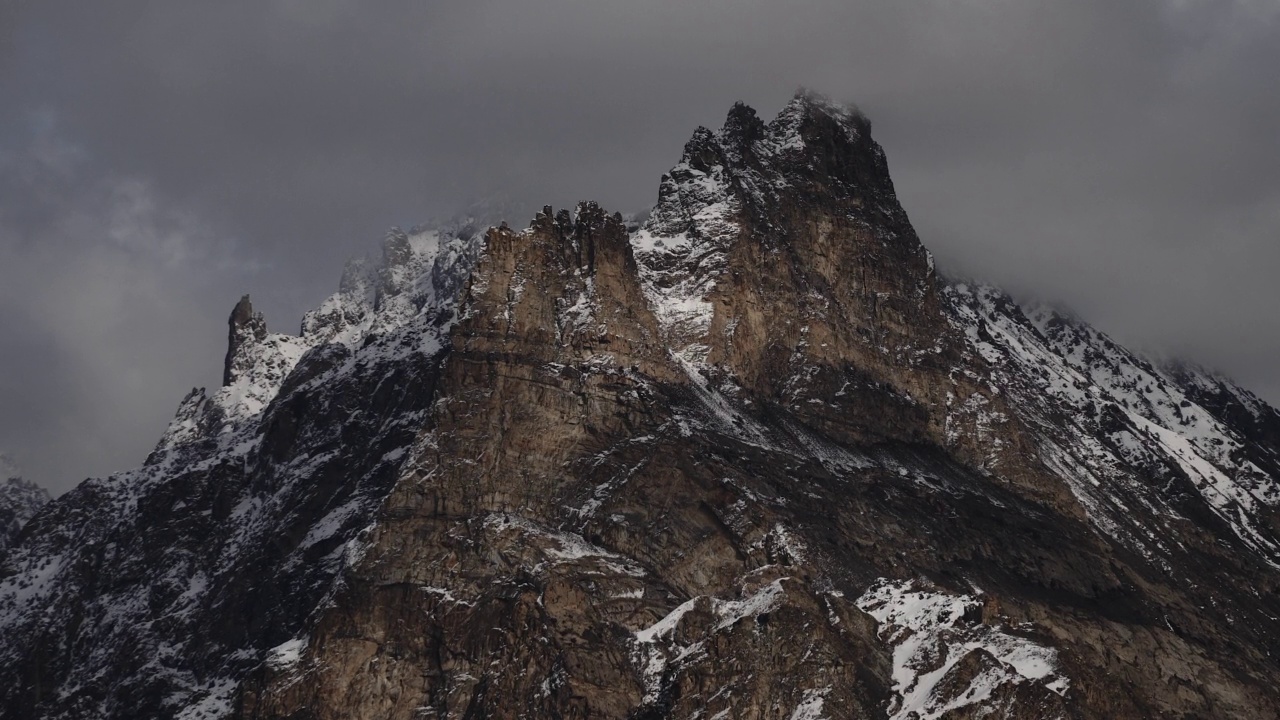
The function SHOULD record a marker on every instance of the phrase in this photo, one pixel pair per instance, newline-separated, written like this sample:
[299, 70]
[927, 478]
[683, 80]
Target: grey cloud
[1120, 156]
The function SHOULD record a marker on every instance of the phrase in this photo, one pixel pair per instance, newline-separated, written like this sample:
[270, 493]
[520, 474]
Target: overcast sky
[159, 159]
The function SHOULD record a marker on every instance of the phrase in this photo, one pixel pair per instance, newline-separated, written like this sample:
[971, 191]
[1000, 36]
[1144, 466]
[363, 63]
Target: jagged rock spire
[244, 327]
[20, 500]
[743, 126]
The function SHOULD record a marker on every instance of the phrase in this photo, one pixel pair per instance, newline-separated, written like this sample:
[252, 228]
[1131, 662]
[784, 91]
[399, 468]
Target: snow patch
[810, 707]
[930, 635]
[762, 601]
[667, 624]
[287, 654]
[213, 703]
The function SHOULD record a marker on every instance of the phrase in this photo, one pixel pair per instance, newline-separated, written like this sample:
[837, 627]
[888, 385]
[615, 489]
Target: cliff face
[751, 459]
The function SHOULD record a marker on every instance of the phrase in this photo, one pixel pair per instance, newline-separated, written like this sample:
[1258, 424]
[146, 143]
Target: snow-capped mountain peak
[750, 457]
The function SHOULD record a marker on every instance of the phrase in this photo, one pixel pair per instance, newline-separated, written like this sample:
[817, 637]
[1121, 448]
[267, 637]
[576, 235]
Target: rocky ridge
[753, 458]
[177, 577]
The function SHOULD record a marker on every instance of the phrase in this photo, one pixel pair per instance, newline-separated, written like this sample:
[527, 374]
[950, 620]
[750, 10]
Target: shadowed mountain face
[752, 458]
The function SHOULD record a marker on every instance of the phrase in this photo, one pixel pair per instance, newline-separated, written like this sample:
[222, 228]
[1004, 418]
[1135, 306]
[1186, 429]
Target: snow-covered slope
[1180, 443]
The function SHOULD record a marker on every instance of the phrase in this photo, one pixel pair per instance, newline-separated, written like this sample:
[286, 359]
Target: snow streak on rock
[663, 648]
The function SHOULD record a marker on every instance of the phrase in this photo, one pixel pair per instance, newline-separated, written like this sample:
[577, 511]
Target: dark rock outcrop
[245, 327]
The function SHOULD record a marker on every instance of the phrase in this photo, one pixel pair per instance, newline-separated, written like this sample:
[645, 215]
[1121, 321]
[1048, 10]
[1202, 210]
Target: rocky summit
[751, 458]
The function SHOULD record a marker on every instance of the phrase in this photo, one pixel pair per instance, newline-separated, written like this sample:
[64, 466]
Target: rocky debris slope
[750, 458]
[19, 501]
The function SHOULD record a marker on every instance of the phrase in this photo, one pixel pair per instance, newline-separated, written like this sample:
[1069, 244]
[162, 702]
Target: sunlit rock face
[750, 458]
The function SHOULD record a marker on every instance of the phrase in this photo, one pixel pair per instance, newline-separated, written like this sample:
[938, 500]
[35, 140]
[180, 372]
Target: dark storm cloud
[159, 159]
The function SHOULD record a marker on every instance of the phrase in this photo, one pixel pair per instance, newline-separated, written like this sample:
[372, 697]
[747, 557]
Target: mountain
[19, 500]
[750, 458]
